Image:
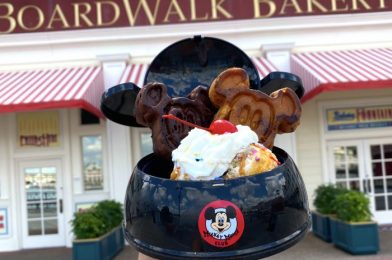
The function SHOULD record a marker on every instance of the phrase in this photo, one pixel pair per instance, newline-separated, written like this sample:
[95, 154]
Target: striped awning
[263, 66]
[343, 70]
[79, 87]
[135, 73]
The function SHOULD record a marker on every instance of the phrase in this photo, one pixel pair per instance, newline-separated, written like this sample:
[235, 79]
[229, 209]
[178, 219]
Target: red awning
[135, 72]
[343, 70]
[264, 66]
[79, 87]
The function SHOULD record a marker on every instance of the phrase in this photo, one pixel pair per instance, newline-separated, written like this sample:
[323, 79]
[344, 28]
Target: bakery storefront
[59, 155]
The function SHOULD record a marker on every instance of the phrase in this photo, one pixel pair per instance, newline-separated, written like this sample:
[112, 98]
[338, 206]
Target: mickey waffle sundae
[242, 126]
[222, 150]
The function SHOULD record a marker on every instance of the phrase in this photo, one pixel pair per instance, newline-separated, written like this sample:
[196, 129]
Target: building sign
[42, 15]
[38, 129]
[357, 118]
[3, 222]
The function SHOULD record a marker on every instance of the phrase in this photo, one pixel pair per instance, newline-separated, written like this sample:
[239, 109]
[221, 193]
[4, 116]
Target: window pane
[33, 195]
[354, 185]
[387, 151]
[378, 186]
[352, 153]
[50, 209]
[353, 171]
[34, 210]
[376, 152]
[389, 185]
[50, 226]
[340, 162]
[32, 178]
[340, 173]
[377, 169]
[341, 184]
[49, 183]
[35, 227]
[390, 202]
[92, 162]
[388, 168]
[146, 143]
[380, 203]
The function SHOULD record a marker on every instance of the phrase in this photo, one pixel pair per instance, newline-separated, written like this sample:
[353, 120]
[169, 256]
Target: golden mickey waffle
[267, 115]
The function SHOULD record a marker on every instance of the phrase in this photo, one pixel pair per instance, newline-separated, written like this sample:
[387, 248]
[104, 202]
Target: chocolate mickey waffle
[153, 102]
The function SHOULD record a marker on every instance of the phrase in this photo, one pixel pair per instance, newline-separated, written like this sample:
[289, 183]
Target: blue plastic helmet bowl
[245, 218]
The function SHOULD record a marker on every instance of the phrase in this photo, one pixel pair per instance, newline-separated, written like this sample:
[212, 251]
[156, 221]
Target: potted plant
[98, 231]
[353, 230]
[325, 207]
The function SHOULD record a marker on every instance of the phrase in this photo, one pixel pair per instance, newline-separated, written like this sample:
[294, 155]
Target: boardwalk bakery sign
[53, 15]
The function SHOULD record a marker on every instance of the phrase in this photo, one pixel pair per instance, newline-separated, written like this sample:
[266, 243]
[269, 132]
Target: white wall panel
[4, 158]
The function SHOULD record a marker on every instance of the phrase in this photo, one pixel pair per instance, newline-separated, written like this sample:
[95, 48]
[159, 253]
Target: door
[379, 167]
[365, 165]
[41, 203]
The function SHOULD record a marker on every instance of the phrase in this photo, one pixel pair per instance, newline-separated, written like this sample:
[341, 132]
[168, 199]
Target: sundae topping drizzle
[220, 126]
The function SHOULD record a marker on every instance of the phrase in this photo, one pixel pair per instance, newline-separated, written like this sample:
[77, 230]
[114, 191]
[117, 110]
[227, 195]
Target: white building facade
[55, 160]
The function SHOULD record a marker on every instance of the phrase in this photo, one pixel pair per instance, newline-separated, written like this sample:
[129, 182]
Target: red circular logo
[221, 223]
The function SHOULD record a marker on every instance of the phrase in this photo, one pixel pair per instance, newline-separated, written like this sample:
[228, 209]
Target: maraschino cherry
[222, 126]
[219, 126]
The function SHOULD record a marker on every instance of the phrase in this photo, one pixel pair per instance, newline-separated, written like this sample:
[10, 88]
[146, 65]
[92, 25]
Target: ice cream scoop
[203, 155]
[251, 160]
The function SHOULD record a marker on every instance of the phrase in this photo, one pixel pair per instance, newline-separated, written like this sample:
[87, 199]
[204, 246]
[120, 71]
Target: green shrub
[352, 206]
[97, 220]
[110, 212]
[324, 198]
[86, 224]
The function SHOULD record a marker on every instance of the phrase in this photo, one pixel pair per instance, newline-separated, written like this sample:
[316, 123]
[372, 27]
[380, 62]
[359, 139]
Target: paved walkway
[310, 248]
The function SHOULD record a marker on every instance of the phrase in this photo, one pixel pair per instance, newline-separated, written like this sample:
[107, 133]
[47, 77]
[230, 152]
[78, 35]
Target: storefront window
[92, 162]
[346, 167]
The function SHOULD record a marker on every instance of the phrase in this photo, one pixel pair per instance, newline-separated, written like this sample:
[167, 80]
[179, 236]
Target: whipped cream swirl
[205, 156]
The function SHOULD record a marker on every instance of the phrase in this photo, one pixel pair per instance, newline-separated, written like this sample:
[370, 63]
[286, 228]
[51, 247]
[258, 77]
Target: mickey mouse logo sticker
[221, 223]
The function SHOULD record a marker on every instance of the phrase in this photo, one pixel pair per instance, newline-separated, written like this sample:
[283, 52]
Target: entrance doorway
[365, 165]
[42, 203]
